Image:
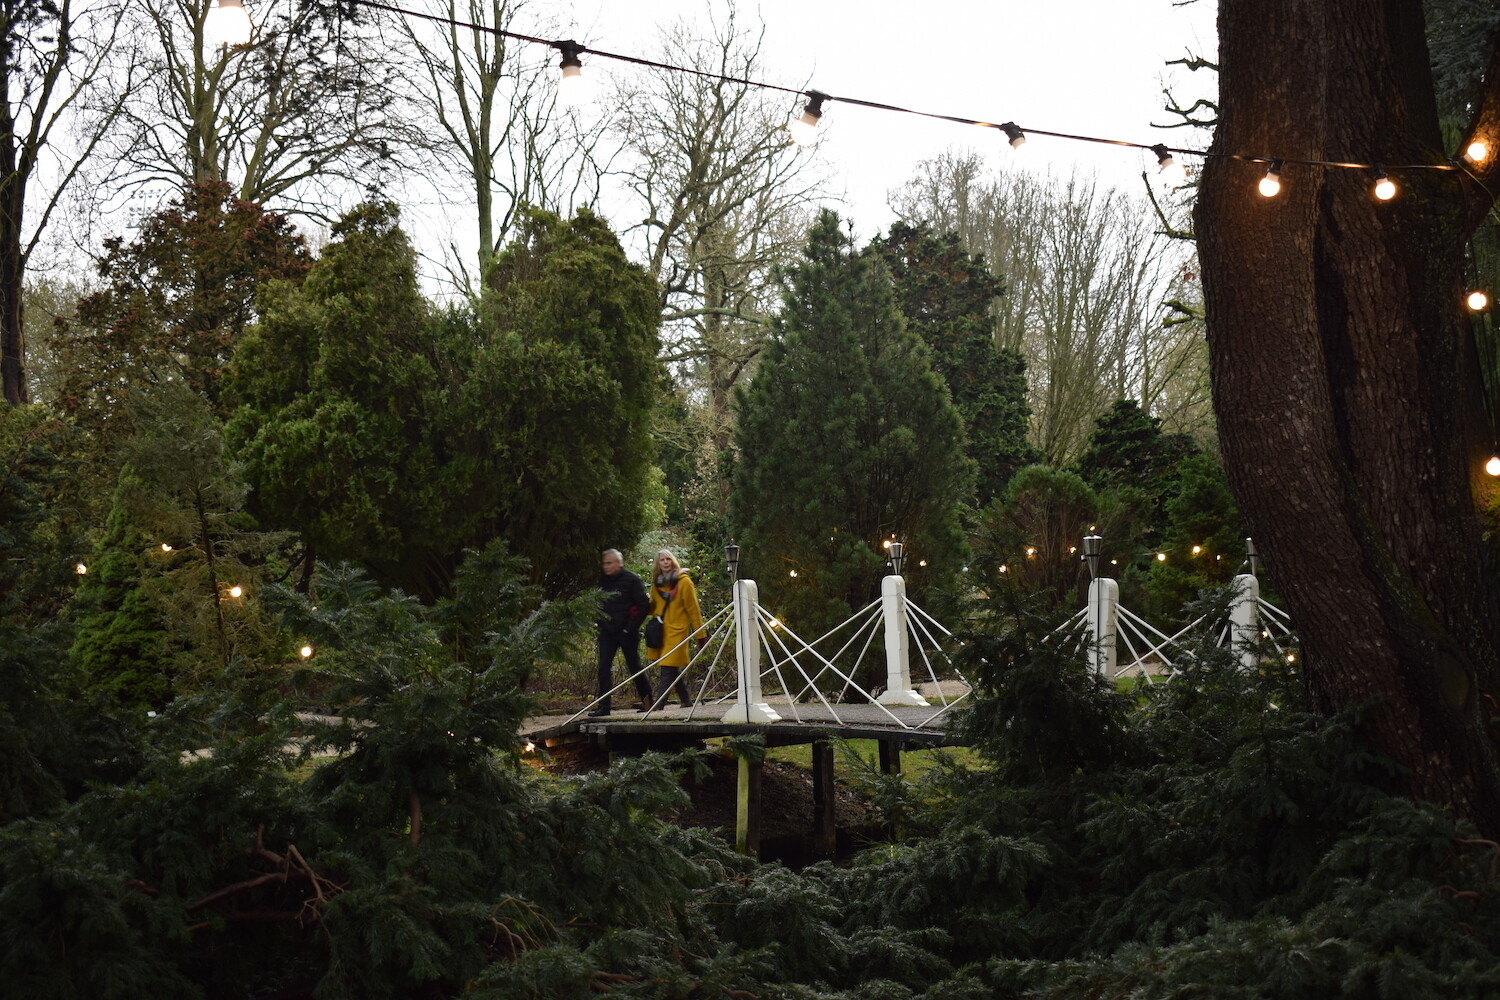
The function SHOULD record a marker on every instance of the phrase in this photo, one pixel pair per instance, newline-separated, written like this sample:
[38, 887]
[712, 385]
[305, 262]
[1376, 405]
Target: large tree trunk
[1346, 381]
[12, 270]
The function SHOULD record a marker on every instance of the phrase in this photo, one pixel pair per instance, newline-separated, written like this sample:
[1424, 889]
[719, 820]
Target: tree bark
[1346, 382]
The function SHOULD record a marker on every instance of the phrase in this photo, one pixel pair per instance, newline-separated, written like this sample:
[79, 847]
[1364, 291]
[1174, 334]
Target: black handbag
[655, 633]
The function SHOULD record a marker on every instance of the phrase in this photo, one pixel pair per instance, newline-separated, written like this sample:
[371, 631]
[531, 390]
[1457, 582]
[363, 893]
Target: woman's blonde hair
[677, 566]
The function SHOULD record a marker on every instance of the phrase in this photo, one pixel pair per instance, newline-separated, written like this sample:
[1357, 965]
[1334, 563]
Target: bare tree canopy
[299, 119]
[1087, 278]
[52, 53]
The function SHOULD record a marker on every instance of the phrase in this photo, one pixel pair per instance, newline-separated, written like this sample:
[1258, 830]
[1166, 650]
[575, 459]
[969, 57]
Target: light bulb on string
[227, 25]
[804, 128]
[1478, 151]
[1173, 173]
[1270, 185]
[1014, 134]
[1477, 300]
[236, 591]
[305, 652]
[1385, 188]
[573, 89]
[1493, 465]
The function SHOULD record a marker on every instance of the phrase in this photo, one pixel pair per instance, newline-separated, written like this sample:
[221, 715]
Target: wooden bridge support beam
[825, 835]
[890, 757]
[747, 808]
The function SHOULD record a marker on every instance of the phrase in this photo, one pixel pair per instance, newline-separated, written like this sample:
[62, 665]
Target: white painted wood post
[898, 689]
[1244, 621]
[1104, 609]
[748, 706]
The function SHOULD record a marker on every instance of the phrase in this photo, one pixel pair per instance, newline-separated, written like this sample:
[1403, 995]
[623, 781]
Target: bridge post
[1244, 620]
[748, 705]
[1104, 609]
[898, 689]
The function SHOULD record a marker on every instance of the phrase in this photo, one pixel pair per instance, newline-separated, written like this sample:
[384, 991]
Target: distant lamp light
[1161, 557]
[898, 557]
[1478, 300]
[1493, 465]
[923, 562]
[1031, 552]
[792, 574]
[236, 591]
[1172, 172]
[732, 561]
[573, 89]
[80, 568]
[1270, 185]
[1004, 569]
[305, 652]
[1014, 134]
[166, 546]
[1478, 151]
[1385, 188]
[1197, 550]
[804, 128]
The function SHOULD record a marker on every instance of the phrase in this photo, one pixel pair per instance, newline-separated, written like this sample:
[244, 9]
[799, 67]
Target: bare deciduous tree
[52, 54]
[310, 102]
[726, 199]
[1087, 280]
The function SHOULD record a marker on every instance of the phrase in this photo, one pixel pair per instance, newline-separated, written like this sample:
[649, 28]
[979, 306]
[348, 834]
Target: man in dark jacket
[621, 612]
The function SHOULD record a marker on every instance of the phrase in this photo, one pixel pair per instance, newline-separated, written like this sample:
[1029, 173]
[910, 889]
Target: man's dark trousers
[630, 641]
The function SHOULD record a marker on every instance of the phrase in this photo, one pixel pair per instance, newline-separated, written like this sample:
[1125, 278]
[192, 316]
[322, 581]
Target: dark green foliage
[847, 438]
[388, 432]
[946, 295]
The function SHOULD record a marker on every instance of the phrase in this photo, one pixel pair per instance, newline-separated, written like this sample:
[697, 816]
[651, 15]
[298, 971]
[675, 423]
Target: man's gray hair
[614, 552]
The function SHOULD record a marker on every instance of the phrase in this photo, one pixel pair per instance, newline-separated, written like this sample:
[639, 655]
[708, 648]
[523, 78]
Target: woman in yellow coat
[675, 600]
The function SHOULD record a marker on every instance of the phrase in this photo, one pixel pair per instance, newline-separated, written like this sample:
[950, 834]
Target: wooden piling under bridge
[670, 730]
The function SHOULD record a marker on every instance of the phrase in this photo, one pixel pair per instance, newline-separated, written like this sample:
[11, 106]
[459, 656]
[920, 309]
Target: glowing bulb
[775, 623]
[1114, 562]
[1478, 300]
[1291, 657]
[228, 25]
[1030, 551]
[886, 543]
[792, 574]
[1478, 151]
[530, 747]
[1493, 465]
[166, 547]
[1161, 557]
[1173, 173]
[305, 652]
[1014, 134]
[1072, 549]
[1197, 550]
[236, 591]
[574, 89]
[924, 561]
[80, 569]
[1270, 185]
[1385, 188]
[1005, 569]
[804, 128]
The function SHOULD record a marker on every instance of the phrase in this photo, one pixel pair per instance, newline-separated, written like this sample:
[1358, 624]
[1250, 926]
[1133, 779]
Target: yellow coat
[681, 618]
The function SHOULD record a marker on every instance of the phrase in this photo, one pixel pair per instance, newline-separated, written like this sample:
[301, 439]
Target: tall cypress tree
[847, 437]
[945, 294]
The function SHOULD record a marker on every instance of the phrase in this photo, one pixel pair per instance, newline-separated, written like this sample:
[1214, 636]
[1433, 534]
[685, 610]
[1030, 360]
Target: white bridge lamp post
[749, 705]
[1103, 608]
[898, 687]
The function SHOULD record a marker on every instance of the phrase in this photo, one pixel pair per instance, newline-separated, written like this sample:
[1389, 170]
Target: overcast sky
[1089, 67]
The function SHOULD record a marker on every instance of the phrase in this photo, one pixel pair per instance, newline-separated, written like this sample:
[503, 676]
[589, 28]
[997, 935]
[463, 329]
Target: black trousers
[629, 642]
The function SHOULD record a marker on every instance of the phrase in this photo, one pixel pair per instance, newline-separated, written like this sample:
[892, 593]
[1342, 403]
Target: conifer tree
[946, 293]
[847, 438]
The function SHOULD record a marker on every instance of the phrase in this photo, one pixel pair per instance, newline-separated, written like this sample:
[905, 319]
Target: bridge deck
[681, 726]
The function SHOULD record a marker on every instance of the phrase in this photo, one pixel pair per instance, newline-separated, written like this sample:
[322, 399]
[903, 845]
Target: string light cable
[803, 125]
